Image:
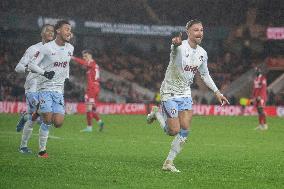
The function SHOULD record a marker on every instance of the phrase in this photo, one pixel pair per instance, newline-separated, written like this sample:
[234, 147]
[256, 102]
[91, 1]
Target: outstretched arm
[80, 61]
[204, 73]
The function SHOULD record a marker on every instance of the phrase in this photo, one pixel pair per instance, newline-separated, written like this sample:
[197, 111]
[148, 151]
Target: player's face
[195, 33]
[87, 56]
[65, 32]
[48, 33]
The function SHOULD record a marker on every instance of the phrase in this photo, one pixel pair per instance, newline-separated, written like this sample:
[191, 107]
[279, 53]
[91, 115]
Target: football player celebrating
[47, 34]
[53, 68]
[186, 58]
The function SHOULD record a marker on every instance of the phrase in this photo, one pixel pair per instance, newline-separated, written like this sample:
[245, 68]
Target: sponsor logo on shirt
[192, 69]
[60, 64]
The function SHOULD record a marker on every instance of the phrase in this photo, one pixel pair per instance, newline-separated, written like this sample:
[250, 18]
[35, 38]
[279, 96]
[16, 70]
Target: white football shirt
[184, 63]
[53, 57]
[31, 78]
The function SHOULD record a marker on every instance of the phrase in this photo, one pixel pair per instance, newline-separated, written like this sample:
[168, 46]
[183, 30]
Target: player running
[186, 58]
[92, 90]
[47, 34]
[52, 65]
[259, 97]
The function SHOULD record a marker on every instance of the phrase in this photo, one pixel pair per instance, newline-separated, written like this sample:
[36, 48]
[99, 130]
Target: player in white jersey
[186, 58]
[47, 34]
[53, 59]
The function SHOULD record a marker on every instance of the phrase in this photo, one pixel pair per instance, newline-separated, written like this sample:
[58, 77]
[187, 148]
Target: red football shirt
[260, 87]
[93, 76]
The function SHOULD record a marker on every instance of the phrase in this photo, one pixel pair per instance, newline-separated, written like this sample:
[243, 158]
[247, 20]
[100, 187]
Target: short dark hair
[60, 23]
[89, 51]
[45, 26]
[191, 22]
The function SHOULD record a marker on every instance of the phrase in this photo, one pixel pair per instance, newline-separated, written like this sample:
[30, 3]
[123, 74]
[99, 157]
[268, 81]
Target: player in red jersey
[259, 96]
[92, 90]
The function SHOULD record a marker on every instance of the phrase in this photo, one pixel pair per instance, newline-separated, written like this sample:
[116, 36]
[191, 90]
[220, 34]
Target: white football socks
[27, 132]
[161, 120]
[43, 136]
[176, 147]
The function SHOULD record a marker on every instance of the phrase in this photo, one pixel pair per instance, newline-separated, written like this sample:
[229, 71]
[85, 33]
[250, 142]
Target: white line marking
[19, 133]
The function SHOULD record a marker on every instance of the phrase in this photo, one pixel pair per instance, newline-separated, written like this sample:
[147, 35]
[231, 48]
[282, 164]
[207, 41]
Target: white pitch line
[18, 133]
[133, 141]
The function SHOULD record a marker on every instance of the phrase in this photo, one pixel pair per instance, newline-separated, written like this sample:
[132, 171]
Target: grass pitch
[222, 152]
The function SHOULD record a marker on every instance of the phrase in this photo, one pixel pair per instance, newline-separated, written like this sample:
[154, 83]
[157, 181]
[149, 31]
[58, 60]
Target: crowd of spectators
[218, 12]
[241, 50]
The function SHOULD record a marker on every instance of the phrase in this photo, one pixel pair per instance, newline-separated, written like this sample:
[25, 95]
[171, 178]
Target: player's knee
[173, 131]
[58, 124]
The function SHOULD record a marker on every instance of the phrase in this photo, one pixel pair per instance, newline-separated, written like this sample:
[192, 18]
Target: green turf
[223, 152]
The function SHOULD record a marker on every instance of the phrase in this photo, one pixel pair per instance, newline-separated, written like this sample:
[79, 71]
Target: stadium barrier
[129, 108]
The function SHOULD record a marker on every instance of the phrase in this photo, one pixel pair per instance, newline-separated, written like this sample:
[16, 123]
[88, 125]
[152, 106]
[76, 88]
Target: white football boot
[264, 127]
[258, 127]
[152, 115]
[169, 166]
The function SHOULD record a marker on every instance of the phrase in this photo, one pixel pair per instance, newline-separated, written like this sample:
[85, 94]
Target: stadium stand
[143, 60]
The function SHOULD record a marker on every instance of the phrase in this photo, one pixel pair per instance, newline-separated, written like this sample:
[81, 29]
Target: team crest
[36, 54]
[69, 53]
[201, 58]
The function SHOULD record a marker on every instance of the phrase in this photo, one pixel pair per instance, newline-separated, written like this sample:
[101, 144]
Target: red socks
[262, 119]
[90, 118]
[96, 116]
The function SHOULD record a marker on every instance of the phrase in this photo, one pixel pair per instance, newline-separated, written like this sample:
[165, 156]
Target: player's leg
[260, 104]
[89, 114]
[32, 103]
[89, 118]
[45, 108]
[23, 118]
[171, 127]
[97, 117]
[36, 115]
[58, 109]
[262, 118]
[185, 117]
[168, 119]
[57, 120]
[21, 123]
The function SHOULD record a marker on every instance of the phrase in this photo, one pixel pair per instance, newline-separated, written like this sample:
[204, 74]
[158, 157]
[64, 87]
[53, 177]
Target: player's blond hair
[192, 22]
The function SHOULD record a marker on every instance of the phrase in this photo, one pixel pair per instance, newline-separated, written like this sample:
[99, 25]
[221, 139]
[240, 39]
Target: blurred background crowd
[235, 44]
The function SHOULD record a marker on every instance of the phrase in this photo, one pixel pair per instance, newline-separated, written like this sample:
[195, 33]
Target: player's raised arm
[176, 39]
[176, 42]
[205, 76]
